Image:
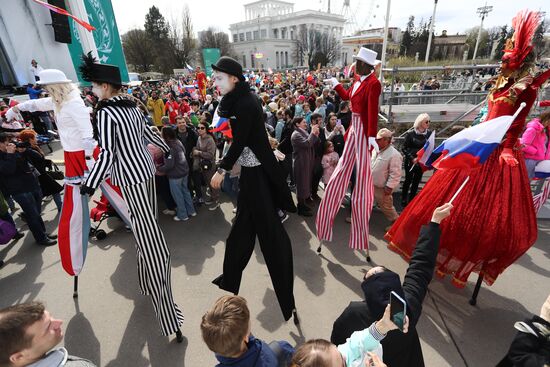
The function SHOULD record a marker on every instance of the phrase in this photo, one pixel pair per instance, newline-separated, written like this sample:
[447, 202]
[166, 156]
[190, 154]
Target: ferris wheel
[359, 15]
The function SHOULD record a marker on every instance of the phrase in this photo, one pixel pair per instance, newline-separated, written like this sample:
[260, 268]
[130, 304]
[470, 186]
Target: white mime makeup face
[223, 81]
[97, 89]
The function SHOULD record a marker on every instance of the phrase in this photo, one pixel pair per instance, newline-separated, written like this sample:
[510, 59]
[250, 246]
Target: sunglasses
[201, 128]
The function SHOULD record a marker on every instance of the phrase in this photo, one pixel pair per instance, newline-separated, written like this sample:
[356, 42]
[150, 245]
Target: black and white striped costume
[124, 157]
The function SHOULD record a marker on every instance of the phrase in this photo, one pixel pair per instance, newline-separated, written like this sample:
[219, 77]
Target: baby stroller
[104, 209]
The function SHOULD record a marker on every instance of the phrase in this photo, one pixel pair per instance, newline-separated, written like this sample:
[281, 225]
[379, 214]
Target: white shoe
[194, 214]
[215, 206]
[169, 212]
[178, 219]
[234, 210]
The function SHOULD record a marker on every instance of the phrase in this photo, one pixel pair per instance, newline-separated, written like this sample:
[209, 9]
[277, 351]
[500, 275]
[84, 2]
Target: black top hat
[229, 66]
[100, 73]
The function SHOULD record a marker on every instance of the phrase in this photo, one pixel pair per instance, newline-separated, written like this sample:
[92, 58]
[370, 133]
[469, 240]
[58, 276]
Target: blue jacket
[34, 93]
[258, 355]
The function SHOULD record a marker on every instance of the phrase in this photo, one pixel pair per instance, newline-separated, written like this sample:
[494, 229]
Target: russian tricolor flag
[221, 124]
[424, 155]
[471, 147]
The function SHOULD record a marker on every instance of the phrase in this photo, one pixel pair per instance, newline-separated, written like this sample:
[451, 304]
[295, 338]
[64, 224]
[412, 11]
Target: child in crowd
[226, 331]
[280, 124]
[329, 161]
[307, 114]
[361, 349]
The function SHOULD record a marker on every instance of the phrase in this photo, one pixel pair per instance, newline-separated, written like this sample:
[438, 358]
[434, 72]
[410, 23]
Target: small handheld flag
[424, 155]
[471, 147]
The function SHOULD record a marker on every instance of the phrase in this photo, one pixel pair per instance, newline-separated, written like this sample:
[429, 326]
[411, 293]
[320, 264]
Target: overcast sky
[452, 15]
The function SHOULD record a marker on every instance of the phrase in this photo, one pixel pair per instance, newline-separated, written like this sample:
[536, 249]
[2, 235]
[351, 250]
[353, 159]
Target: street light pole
[385, 41]
[430, 36]
[483, 11]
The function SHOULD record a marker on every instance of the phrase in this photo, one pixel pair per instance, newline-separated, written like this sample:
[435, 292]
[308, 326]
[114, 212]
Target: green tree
[503, 35]
[406, 40]
[213, 38]
[138, 50]
[539, 44]
[155, 25]
[483, 48]
[158, 31]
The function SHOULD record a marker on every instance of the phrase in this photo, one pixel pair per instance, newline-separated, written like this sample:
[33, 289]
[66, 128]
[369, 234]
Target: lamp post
[482, 11]
[430, 35]
[385, 42]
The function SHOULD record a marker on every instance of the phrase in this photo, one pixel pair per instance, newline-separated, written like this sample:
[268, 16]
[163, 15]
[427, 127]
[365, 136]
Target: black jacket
[244, 111]
[400, 350]
[189, 141]
[413, 143]
[16, 174]
[529, 350]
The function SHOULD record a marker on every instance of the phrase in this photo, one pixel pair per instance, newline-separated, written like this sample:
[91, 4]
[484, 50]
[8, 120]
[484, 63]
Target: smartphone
[338, 122]
[398, 310]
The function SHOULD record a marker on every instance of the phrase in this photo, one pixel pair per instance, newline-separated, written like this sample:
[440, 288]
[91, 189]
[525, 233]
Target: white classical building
[267, 38]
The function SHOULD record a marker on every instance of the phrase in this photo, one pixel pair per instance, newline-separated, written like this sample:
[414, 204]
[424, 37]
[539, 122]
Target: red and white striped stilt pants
[356, 154]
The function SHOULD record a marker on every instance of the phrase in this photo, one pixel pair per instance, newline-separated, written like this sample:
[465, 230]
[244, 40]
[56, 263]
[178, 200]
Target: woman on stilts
[494, 221]
[124, 157]
[263, 190]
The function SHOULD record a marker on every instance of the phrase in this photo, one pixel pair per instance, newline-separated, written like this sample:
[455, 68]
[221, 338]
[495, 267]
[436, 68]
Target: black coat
[245, 114]
[400, 350]
[189, 141]
[413, 143]
[16, 173]
[529, 350]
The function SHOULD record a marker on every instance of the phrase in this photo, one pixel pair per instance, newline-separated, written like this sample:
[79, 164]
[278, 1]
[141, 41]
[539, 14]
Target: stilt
[367, 254]
[75, 289]
[319, 248]
[179, 336]
[473, 300]
[295, 317]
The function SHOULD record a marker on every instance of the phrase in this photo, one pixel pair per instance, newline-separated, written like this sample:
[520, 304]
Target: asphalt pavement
[111, 324]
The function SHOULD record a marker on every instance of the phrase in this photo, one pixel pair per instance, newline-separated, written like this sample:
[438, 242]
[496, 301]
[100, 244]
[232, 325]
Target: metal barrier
[445, 96]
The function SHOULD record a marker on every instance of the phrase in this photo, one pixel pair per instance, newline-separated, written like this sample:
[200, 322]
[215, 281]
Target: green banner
[106, 37]
[210, 56]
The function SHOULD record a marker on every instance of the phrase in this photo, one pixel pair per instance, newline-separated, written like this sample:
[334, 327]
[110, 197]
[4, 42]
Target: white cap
[367, 56]
[52, 76]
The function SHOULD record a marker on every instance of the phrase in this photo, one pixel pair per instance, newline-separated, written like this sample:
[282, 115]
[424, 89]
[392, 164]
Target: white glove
[12, 114]
[332, 81]
[89, 165]
[373, 144]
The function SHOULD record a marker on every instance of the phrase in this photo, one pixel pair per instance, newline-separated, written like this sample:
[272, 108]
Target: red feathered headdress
[525, 23]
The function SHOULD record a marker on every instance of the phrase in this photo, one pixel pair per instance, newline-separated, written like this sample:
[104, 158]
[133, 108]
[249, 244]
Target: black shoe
[304, 210]
[18, 236]
[52, 236]
[1, 263]
[315, 197]
[23, 217]
[179, 336]
[47, 242]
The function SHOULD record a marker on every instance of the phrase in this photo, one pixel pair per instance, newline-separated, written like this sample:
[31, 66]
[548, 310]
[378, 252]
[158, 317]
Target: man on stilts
[263, 190]
[361, 139]
[124, 157]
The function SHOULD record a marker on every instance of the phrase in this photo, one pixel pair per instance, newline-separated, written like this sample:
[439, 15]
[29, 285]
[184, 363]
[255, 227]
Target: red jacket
[364, 102]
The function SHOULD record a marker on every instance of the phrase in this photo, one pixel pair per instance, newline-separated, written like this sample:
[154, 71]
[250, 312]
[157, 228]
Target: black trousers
[257, 217]
[317, 175]
[412, 179]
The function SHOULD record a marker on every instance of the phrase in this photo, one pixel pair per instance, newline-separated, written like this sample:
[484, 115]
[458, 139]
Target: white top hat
[368, 56]
[52, 76]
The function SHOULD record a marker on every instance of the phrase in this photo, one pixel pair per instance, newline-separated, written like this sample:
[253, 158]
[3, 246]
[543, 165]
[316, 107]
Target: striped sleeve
[155, 139]
[107, 138]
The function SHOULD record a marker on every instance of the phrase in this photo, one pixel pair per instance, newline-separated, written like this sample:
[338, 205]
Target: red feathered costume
[493, 222]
